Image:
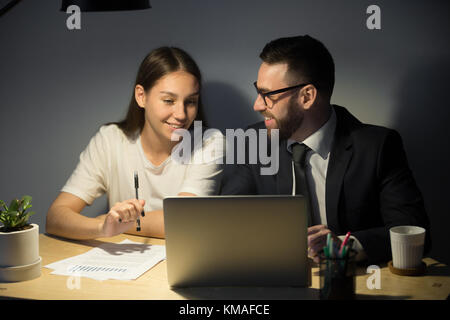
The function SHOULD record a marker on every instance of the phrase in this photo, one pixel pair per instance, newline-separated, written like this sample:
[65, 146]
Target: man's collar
[321, 140]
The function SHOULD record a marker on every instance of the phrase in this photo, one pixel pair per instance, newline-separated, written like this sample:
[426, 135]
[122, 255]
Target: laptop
[236, 241]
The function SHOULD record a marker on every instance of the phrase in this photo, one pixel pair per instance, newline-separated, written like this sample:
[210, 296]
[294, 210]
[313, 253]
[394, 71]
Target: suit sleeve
[400, 200]
[237, 179]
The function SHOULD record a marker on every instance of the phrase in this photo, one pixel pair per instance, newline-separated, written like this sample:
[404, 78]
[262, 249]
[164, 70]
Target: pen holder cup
[337, 277]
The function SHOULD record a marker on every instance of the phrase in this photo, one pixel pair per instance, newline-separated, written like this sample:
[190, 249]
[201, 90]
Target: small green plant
[15, 217]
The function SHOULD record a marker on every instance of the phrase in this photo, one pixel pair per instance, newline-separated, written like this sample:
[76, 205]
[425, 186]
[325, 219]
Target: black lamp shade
[106, 5]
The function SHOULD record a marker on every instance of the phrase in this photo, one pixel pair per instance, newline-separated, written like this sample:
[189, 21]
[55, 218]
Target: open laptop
[236, 241]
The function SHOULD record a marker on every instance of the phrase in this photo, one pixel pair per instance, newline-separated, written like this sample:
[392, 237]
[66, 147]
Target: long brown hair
[155, 65]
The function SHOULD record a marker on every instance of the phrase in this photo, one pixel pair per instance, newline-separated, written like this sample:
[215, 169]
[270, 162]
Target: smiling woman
[171, 104]
[166, 97]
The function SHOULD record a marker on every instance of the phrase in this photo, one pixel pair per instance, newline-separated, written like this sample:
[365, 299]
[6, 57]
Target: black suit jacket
[369, 186]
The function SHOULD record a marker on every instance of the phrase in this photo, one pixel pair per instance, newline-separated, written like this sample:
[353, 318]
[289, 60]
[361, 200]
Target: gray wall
[58, 86]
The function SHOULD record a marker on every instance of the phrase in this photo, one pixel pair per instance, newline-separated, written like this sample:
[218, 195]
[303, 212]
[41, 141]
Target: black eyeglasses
[267, 94]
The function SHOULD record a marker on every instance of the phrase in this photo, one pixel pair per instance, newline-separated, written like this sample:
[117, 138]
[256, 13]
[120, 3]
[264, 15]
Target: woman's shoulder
[212, 135]
[212, 138]
[112, 133]
[109, 137]
[213, 144]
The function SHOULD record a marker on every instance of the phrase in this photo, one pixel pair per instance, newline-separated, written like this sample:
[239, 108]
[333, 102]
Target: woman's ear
[139, 95]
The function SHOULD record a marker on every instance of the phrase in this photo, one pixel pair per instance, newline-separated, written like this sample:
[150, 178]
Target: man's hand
[121, 217]
[317, 239]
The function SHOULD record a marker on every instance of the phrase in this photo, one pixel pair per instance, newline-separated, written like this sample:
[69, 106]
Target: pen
[326, 252]
[136, 187]
[343, 252]
[331, 249]
[344, 242]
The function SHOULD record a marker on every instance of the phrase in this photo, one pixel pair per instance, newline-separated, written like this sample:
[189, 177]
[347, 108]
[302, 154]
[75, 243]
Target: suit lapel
[340, 156]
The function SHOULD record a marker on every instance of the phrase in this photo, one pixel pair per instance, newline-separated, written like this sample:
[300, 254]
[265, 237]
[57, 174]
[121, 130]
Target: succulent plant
[15, 216]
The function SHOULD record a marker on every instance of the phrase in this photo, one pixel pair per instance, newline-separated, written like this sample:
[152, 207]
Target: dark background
[57, 86]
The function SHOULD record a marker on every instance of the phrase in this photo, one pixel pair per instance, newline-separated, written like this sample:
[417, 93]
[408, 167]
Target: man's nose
[259, 104]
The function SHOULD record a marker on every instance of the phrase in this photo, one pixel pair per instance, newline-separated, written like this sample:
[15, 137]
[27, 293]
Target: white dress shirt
[316, 165]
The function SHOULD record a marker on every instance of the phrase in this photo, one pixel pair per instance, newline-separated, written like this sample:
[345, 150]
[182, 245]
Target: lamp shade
[106, 5]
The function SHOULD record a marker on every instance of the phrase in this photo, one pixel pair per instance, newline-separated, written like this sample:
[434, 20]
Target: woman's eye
[195, 102]
[168, 101]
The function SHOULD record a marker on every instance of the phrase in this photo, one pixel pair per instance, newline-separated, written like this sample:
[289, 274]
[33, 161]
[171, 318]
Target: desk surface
[153, 284]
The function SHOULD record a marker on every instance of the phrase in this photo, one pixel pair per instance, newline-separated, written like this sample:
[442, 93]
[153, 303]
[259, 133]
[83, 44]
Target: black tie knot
[299, 151]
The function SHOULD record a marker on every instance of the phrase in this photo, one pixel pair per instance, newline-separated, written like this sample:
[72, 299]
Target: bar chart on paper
[79, 268]
[126, 260]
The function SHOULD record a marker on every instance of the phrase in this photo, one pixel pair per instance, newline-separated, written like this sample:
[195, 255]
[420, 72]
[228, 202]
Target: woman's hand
[121, 217]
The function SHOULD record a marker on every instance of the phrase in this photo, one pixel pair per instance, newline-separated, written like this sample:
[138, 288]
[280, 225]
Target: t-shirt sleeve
[204, 173]
[88, 181]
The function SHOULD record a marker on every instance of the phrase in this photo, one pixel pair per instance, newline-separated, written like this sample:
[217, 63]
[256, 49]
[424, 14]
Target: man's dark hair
[307, 58]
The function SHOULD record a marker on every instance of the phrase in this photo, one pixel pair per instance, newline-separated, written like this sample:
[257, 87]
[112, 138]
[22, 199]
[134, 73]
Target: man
[355, 176]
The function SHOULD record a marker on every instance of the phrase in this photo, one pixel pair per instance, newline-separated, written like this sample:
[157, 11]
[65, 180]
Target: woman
[166, 97]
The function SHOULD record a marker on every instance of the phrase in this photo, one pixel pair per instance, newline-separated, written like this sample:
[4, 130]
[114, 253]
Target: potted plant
[19, 242]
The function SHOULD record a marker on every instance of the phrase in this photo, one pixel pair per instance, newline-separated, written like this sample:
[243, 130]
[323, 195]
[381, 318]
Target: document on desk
[126, 260]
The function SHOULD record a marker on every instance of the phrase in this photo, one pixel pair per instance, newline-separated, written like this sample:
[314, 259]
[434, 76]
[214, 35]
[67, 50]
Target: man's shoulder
[364, 136]
[371, 131]
[359, 130]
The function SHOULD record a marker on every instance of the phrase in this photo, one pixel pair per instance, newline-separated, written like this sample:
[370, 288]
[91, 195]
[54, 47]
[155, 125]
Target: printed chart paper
[126, 260]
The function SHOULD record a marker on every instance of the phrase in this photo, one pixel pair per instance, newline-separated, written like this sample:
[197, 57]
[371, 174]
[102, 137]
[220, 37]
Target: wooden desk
[153, 284]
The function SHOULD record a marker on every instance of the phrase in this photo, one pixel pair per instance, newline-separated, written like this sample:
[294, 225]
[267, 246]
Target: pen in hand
[136, 186]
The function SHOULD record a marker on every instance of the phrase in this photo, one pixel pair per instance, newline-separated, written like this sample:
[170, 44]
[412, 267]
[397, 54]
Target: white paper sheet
[126, 260]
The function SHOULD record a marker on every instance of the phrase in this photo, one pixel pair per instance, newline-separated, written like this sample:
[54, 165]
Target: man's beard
[291, 121]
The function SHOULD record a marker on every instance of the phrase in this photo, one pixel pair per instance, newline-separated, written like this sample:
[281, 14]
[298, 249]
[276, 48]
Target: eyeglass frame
[264, 95]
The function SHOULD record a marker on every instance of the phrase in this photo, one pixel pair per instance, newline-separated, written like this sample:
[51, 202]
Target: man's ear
[307, 96]
[140, 96]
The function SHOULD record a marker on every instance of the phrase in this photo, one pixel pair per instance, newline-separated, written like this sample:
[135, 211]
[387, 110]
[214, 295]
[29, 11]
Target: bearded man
[354, 176]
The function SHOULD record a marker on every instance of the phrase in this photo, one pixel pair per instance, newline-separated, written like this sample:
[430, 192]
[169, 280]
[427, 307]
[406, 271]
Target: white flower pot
[19, 255]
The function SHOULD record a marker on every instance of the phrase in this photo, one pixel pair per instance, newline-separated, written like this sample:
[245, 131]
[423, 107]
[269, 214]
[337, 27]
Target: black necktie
[301, 185]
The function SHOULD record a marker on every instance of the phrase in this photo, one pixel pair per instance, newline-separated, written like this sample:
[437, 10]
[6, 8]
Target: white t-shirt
[108, 163]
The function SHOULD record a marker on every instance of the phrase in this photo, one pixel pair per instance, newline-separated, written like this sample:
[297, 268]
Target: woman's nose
[180, 111]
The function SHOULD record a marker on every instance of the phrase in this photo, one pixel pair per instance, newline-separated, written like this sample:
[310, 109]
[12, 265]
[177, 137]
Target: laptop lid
[236, 241]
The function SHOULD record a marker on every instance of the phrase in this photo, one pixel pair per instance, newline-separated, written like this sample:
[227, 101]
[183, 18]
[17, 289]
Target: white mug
[407, 246]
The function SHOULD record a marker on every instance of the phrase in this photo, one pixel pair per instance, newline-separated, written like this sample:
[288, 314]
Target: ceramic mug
[407, 244]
